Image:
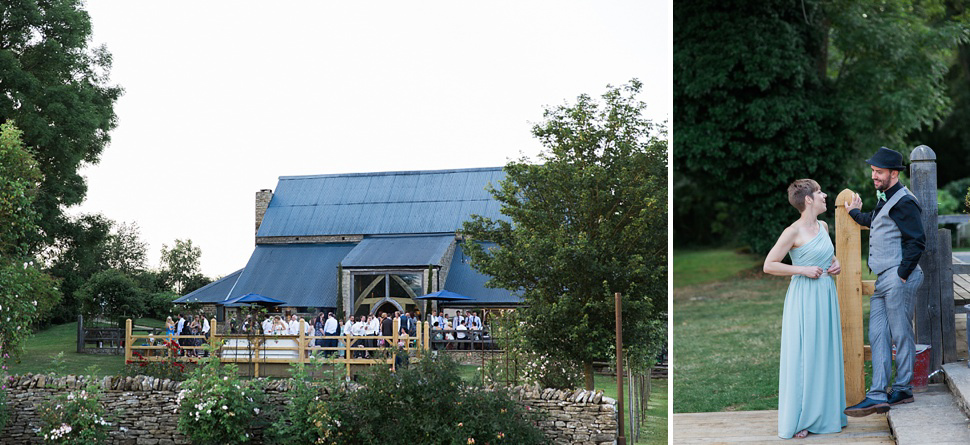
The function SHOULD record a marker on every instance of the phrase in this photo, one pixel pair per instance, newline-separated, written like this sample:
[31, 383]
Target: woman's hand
[835, 268]
[812, 271]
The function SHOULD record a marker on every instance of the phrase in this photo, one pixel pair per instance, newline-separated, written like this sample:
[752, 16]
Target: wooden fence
[935, 308]
[257, 350]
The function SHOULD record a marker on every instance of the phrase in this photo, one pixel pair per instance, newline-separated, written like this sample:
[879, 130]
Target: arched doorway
[386, 305]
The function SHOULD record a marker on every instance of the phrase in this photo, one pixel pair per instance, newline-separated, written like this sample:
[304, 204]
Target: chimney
[263, 197]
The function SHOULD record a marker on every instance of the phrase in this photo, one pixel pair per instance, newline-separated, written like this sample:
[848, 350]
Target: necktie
[881, 195]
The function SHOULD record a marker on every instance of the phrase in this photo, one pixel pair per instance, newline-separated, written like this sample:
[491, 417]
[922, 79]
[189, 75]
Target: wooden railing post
[929, 329]
[397, 327]
[213, 336]
[427, 336]
[127, 340]
[848, 284]
[301, 345]
[947, 309]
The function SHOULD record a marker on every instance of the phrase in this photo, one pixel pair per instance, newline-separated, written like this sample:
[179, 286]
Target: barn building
[366, 243]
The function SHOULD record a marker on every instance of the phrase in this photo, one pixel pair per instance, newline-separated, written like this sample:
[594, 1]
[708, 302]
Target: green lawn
[727, 335]
[693, 267]
[44, 345]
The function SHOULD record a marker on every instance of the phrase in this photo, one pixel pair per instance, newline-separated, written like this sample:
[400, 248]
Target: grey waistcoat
[885, 239]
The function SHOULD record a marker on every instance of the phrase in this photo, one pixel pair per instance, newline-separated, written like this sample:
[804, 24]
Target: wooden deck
[761, 427]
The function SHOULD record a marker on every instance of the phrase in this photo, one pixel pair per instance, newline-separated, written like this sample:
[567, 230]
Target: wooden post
[947, 313]
[928, 315]
[127, 340]
[848, 284]
[618, 304]
[427, 336]
[80, 333]
[301, 343]
[213, 340]
[397, 327]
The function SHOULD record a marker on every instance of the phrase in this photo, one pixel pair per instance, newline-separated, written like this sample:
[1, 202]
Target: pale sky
[224, 97]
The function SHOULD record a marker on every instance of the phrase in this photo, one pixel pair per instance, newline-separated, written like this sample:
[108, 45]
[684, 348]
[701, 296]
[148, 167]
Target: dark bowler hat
[887, 158]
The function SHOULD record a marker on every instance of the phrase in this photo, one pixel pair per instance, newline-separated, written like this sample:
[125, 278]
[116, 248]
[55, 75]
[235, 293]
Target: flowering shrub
[170, 368]
[551, 372]
[76, 418]
[215, 405]
[309, 417]
[428, 404]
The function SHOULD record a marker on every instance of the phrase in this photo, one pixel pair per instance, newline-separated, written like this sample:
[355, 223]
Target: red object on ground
[921, 367]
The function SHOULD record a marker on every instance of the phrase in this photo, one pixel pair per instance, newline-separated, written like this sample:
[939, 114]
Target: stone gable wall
[144, 410]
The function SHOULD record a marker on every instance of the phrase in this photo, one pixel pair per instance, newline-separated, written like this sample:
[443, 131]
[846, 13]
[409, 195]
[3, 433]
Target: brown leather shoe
[866, 407]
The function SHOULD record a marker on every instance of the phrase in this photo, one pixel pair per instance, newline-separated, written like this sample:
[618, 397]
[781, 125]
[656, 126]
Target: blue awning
[302, 275]
[465, 280]
[400, 251]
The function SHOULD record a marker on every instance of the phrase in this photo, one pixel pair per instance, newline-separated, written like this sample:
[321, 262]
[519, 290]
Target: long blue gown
[811, 383]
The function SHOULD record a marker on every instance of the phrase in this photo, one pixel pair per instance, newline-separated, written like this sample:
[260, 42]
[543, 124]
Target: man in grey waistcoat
[896, 242]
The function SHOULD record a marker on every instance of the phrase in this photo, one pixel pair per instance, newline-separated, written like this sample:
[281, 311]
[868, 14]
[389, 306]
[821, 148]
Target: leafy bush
[308, 418]
[552, 372]
[159, 304]
[113, 295]
[215, 405]
[75, 418]
[427, 404]
[170, 368]
[947, 204]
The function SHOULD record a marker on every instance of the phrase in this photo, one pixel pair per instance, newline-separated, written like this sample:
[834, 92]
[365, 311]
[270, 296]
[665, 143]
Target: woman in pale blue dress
[811, 383]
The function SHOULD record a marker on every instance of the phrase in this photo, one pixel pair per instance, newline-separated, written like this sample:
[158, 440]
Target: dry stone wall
[144, 410]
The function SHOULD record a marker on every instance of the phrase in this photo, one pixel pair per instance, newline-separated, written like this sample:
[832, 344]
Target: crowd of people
[447, 332]
[188, 324]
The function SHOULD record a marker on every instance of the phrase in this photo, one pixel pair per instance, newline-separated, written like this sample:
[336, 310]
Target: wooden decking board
[761, 427]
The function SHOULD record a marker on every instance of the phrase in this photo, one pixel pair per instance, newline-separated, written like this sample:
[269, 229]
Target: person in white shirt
[457, 320]
[329, 330]
[461, 335]
[373, 329]
[267, 325]
[293, 328]
[359, 329]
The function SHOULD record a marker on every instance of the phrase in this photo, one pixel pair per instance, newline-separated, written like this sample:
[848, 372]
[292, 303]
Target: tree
[75, 256]
[588, 221]
[181, 262]
[57, 89]
[124, 250]
[26, 293]
[113, 295]
[769, 92]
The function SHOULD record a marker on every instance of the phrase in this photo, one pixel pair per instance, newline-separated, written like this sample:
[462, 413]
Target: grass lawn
[692, 267]
[44, 345]
[727, 337]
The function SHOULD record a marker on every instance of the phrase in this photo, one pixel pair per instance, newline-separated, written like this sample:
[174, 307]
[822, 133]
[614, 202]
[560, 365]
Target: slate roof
[213, 292]
[408, 202]
[465, 280]
[399, 251]
[299, 274]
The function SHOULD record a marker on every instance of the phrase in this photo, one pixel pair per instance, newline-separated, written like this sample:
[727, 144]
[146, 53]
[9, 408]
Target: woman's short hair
[799, 189]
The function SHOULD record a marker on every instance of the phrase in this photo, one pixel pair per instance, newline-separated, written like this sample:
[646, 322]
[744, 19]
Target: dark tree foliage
[588, 221]
[76, 256]
[56, 88]
[772, 91]
[112, 295]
